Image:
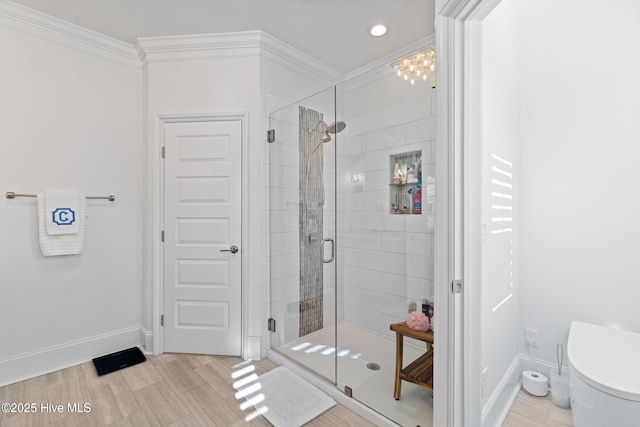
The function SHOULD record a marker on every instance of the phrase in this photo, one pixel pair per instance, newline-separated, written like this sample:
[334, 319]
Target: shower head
[336, 127]
[333, 128]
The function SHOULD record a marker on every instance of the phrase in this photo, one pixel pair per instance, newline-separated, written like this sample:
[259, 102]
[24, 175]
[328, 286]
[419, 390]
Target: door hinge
[271, 324]
[162, 236]
[271, 135]
[162, 320]
[162, 152]
[456, 287]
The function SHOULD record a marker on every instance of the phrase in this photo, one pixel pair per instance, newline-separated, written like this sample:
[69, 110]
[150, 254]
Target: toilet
[604, 376]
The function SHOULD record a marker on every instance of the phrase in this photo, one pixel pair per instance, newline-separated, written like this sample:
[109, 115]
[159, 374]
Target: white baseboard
[39, 362]
[253, 349]
[146, 340]
[499, 403]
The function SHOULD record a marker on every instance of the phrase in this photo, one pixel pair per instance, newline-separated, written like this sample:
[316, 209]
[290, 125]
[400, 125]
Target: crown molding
[29, 19]
[174, 47]
[278, 49]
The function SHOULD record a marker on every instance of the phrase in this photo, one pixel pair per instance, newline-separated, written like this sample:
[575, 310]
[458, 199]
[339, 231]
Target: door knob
[233, 249]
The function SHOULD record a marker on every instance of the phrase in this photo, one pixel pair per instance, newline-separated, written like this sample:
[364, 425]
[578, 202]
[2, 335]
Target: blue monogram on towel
[63, 216]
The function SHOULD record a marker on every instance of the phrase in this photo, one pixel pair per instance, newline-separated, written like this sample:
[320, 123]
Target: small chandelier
[420, 65]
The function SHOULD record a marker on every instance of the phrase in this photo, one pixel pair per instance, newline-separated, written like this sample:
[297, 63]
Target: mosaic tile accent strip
[311, 207]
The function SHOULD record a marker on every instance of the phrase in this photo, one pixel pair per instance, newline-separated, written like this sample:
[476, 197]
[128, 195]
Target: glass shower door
[386, 190]
[302, 221]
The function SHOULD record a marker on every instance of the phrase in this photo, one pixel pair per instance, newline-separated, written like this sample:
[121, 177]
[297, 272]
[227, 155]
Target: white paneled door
[202, 217]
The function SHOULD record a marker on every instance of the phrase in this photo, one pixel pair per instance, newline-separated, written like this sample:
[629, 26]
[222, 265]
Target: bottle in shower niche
[397, 174]
[417, 200]
[411, 174]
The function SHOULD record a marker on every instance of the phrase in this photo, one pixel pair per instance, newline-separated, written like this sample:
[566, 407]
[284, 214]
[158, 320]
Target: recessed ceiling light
[378, 30]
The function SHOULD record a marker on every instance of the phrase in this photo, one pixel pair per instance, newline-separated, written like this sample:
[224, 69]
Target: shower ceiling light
[378, 30]
[421, 65]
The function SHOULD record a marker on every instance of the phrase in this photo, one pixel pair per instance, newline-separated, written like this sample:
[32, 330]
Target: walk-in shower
[343, 264]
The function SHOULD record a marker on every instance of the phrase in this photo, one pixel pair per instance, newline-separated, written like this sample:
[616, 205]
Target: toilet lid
[607, 359]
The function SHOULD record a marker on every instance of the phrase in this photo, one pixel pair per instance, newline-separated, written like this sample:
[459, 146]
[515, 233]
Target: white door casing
[459, 107]
[202, 288]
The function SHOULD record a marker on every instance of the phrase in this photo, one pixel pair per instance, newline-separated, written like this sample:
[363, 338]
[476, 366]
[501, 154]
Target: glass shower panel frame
[302, 223]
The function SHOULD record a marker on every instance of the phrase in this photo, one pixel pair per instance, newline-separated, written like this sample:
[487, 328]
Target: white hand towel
[61, 209]
[61, 244]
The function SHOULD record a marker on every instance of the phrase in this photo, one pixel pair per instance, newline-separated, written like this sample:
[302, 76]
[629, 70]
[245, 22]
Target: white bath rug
[290, 401]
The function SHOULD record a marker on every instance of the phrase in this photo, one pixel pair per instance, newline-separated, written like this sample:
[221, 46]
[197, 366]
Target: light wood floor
[187, 390]
[530, 411]
[166, 390]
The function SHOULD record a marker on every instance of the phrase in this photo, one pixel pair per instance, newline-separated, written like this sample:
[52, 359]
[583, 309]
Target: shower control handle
[233, 249]
[333, 245]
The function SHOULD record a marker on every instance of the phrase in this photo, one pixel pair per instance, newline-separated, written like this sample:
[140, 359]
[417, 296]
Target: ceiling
[335, 32]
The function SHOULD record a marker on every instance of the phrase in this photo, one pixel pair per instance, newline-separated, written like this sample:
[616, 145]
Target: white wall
[71, 119]
[580, 148]
[74, 119]
[572, 116]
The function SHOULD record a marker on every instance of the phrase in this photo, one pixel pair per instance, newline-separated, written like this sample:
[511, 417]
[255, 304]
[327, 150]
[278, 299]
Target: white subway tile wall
[386, 259]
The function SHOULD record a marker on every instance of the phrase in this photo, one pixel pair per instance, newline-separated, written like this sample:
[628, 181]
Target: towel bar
[12, 195]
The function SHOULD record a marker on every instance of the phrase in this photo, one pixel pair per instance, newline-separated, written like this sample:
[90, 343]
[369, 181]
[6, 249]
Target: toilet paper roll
[534, 383]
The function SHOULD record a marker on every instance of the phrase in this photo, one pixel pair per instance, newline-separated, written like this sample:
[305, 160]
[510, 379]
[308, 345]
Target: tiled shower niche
[405, 183]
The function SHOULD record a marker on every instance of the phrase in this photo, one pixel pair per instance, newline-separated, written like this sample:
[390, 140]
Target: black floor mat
[118, 360]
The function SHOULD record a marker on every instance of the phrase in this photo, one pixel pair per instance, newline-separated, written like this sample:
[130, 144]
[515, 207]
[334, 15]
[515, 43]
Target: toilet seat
[606, 358]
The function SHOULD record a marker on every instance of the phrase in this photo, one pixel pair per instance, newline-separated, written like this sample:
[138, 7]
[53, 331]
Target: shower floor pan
[374, 388]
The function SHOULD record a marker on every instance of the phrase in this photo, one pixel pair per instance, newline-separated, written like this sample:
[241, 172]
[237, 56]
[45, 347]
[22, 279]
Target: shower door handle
[333, 251]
